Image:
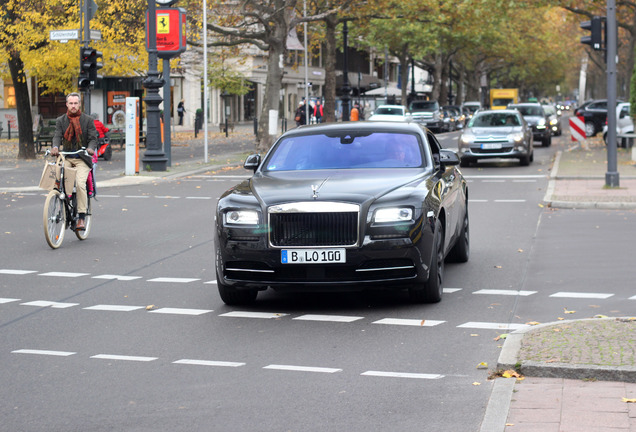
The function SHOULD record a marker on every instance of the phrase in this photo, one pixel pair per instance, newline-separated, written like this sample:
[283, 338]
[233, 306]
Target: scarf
[74, 129]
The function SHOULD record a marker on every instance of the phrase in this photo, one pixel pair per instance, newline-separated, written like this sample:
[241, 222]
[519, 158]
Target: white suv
[624, 124]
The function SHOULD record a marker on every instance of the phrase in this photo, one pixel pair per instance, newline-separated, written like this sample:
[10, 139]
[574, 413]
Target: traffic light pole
[612, 178]
[86, 97]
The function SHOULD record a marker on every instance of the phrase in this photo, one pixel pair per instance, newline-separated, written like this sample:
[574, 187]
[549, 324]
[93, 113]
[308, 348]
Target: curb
[509, 359]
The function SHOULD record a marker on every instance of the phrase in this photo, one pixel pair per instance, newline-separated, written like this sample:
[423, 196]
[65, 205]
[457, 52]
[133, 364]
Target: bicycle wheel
[54, 219]
[82, 235]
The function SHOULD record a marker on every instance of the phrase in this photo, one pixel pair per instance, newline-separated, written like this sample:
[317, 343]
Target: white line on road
[64, 274]
[409, 322]
[16, 272]
[44, 352]
[451, 290]
[178, 311]
[172, 280]
[402, 375]
[581, 295]
[333, 318]
[199, 198]
[123, 357]
[45, 303]
[264, 315]
[505, 292]
[509, 200]
[137, 196]
[302, 368]
[8, 300]
[116, 277]
[492, 326]
[167, 197]
[210, 282]
[632, 298]
[208, 363]
[114, 308]
[536, 176]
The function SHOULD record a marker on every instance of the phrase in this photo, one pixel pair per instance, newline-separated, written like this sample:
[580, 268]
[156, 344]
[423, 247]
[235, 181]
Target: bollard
[255, 126]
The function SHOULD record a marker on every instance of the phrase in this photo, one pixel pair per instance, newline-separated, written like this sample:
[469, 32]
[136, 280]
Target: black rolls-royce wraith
[344, 206]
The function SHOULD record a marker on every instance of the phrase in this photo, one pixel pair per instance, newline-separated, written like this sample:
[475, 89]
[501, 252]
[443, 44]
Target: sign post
[132, 136]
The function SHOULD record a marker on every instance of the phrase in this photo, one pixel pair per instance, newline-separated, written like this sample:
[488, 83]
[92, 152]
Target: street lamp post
[154, 158]
[346, 88]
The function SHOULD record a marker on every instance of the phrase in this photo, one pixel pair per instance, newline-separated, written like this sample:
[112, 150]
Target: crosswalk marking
[178, 311]
[263, 315]
[334, 318]
[401, 375]
[16, 272]
[173, 280]
[8, 300]
[44, 352]
[492, 326]
[505, 292]
[116, 277]
[114, 308]
[123, 357]
[451, 290]
[44, 303]
[64, 274]
[581, 295]
[208, 363]
[409, 322]
[302, 368]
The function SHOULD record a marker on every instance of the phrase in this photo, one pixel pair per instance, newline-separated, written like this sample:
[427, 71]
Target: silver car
[496, 134]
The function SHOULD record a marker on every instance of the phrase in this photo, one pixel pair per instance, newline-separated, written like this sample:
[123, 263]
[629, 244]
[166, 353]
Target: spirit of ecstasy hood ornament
[315, 189]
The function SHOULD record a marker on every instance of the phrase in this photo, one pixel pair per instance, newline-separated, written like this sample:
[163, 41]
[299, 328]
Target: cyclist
[73, 131]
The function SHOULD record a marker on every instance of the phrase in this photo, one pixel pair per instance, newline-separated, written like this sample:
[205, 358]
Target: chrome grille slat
[314, 229]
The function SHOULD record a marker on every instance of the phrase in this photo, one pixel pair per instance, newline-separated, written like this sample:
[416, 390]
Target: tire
[431, 292]
[108, 153]
[88, 220]
[524, 160]
[590, 129]
[233, 297]
[464, 162]
[54, 219]
[461, 251]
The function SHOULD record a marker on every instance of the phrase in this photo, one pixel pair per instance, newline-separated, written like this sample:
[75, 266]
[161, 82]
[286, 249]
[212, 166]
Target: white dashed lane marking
[302, 368]
[117, 277]
[492, 326]
[123, 357]
[44, 352]
[332, 318]
[409, 322]
[402, 375]
[8, 300]
[172, 280]
[262, 315]
[505, 292]
[44, 303]
[208, 363]
[178, 311]
[16, 272]
[582, 295]
[64, 274]
[114, 308]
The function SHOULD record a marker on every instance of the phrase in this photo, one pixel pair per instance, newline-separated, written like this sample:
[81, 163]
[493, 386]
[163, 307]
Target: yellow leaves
[422, 322]
[501, 336]
[533, 323]
[512, 374]
[150, 307]
[476, 383]
[565, 310]
[482, 365]
[626, 400]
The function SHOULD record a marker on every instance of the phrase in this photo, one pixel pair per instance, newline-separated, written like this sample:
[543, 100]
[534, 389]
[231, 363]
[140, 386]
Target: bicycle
[60, 208]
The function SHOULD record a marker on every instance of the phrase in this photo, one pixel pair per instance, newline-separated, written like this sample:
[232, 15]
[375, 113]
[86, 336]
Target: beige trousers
[80, 182]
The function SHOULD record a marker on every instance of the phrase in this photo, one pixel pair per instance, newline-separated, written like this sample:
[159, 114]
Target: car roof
[391, 106]
[501, 111]
[345, 127]
[526, 104]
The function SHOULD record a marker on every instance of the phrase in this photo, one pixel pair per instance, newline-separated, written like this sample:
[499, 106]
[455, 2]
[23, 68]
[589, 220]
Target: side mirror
[252, 162]
[448, 157]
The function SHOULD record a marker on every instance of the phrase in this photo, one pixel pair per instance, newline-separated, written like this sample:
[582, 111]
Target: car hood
[354, 186]
[533, 120]
[493, 131]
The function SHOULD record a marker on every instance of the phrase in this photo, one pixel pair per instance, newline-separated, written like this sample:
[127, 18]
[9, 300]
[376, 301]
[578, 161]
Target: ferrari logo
[163, 23]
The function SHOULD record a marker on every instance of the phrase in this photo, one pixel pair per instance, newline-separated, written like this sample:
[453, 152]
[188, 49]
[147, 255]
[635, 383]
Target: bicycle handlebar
[83, 149]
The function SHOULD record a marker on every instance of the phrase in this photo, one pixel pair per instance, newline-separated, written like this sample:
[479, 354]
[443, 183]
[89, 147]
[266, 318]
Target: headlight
[516, 137]
[554, 121]
[393, 214]
[466, 138]
[241, 217]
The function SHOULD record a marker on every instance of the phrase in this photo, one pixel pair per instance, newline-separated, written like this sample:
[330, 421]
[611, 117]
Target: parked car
[393, 113]
[496, 134]
[344, 206]
[594, 115]
[624, 124]
[537, 119]
[427, 113]
[554, 119]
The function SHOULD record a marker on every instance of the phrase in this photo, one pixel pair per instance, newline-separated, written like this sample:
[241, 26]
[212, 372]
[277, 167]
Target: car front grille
[313, 224]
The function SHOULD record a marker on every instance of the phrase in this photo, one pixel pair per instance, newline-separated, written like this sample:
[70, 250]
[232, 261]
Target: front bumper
[507, 150]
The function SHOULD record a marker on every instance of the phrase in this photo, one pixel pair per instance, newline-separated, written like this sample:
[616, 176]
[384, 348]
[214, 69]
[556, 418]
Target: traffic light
[595, 39]
[83, 82]
[89, 65]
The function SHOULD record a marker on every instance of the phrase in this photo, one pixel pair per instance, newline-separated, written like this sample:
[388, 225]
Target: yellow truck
[500, 98]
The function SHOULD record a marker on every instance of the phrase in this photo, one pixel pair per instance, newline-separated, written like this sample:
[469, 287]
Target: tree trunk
[26, 149]
[329, 106]
[437, 77]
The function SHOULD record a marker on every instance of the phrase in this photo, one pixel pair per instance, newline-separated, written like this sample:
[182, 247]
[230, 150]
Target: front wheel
[461, 251]
[232, 296]
[88, 219]
[431, 292]
[54, 219]
[590, 129]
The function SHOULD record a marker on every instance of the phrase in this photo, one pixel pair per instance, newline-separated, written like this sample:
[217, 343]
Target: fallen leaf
[422, 322]
[501, 336]
[476, 383]
[150, 307]
[565, 310]
[498, 267]
[541, 205]
[510, 424]
[533, 323]
[482, 365]
[600, 316]
[519, 250]
[124, 209]
[474, 335]
[560, 318]
[629, 400]
[510, 373]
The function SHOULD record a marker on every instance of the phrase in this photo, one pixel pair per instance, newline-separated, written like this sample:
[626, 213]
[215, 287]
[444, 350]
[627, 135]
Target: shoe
[81, 225]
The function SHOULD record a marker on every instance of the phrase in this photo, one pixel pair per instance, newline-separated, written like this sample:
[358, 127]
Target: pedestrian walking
[318, 112]
[181, 111]
[355, 113]
[301, 114]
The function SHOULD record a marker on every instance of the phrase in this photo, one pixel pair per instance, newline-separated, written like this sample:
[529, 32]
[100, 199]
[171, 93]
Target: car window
[389, 111]
[549, 110]
[424, 106]
[495, 119]
[376, 150]
[597, 105]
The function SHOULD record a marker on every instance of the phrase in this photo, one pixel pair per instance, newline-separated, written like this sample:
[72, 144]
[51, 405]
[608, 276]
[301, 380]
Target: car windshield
[390, 111]
[530, 110]
[495, 119]
[549, 110]
[375, 150]
[424, 106]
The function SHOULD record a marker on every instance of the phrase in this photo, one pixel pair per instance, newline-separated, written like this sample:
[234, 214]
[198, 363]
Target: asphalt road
[125, 331]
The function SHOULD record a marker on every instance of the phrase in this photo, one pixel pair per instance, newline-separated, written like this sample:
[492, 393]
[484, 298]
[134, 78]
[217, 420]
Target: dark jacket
[89, 136]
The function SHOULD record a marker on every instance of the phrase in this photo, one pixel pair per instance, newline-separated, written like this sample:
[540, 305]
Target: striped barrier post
[577, 128]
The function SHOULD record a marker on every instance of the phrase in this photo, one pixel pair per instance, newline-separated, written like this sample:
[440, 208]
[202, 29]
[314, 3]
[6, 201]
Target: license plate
[491, 146]
[312, 256]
